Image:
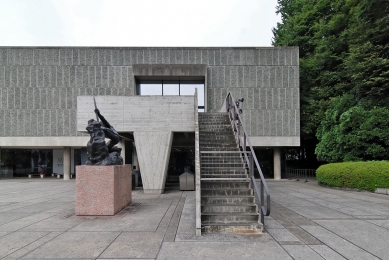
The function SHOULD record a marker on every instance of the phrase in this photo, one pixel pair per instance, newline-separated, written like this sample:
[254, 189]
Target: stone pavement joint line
[37, 221]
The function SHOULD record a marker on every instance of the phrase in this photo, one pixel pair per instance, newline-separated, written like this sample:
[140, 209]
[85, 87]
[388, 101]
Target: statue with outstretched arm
[109, 131]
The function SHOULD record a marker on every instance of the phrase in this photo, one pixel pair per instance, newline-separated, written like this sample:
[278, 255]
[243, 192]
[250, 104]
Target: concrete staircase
[227, 201]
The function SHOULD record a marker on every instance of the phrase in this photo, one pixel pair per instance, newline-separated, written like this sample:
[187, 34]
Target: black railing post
[244, 142]
[252, 166]
[305, 170]
[262, 204]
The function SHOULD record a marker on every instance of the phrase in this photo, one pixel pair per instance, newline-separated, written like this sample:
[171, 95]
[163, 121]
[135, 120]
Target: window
[173, 88]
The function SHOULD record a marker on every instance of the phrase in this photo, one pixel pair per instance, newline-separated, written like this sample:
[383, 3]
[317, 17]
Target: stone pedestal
[102, 190]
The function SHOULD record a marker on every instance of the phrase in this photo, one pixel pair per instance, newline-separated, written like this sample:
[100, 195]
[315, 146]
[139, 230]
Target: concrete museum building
[147, 94]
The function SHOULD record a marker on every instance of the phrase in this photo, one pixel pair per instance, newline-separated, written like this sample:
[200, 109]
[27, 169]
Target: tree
[352, 132]
[343, 50]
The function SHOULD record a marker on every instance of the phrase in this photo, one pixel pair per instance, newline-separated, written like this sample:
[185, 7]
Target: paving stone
[6, 217]
[17, 240]
[271, 224]
[75, 245]
[282, 235]
[337, 243]
[30, 247]
[326, 252]
[26, 221]
[134, 245]
[304, 236]
[53, 224]
[302, 252]
[319, 212]
[382, 223]
[221, 250]
[370, 237]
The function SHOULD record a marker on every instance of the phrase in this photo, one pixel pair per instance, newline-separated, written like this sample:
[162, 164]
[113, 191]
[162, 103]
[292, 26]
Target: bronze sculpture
[98, 151]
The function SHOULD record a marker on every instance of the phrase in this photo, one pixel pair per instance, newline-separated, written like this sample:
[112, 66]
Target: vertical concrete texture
[40, 85]
[66, 163]
[277, 163]
[153, 150]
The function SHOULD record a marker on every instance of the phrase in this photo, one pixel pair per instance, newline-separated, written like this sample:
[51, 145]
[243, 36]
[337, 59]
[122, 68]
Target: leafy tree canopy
[344, 73]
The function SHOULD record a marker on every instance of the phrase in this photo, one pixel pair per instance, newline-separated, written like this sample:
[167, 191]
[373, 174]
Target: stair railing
[250, 158]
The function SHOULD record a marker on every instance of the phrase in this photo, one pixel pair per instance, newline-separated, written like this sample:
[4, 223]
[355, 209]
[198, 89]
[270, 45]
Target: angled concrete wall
[153, 149]
[152, 119]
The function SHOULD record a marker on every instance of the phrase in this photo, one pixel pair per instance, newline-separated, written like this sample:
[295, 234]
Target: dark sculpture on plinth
[98, 151]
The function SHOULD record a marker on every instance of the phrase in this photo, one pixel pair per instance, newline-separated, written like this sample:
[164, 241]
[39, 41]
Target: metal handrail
[234, 114]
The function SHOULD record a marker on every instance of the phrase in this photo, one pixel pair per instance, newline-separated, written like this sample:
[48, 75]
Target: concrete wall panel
[50, 79]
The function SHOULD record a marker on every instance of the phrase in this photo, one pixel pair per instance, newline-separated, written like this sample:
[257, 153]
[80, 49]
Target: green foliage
[344, 58]
[358, 175]
[353, 134]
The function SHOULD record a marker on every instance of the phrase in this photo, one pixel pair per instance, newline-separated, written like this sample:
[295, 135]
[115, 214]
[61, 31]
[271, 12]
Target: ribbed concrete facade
[39, 86]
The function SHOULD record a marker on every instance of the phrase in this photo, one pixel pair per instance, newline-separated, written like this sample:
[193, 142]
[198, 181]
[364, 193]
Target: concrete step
[225, 184]
[210, 114]
[219, 160]
[204, 133]
[222, 171]
[216, 120]
[215, 175]
[221, 155]
[217, 141]
[227, 200]
[219, 163]
[229, 218]
[227, 192]
[235, 228]
[206, 122]
[215, 132]
[216, 148]
[217, 125]
[226, 208]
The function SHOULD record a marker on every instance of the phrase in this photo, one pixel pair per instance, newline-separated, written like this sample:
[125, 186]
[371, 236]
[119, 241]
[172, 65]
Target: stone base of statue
[102, 190]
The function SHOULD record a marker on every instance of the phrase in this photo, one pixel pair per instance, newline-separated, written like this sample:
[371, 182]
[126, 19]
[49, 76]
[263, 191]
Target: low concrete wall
[102, 190]
[139, 113]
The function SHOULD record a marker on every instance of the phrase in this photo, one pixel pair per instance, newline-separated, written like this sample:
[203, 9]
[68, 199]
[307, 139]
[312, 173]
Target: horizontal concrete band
[169, 70]
[139, 113]
[81, 141]
[45, 141]
[275, 141]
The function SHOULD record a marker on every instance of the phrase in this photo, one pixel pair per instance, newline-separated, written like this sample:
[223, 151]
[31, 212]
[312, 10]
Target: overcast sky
[137, 22]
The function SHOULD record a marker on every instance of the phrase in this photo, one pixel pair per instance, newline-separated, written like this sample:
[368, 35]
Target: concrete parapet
[102, 190]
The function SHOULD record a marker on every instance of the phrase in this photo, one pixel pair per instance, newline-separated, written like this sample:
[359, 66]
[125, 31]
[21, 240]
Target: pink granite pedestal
[102, 190]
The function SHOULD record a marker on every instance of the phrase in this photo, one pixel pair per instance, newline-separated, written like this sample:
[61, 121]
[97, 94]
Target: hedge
[357, 175]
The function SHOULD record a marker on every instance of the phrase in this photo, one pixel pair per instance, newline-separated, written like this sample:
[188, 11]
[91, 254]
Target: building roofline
[145, 47]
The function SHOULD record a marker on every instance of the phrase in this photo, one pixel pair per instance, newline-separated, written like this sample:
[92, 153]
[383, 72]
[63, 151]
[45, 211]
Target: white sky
[137, 22]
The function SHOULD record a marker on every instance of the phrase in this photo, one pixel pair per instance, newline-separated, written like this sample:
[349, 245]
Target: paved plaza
[307, 221]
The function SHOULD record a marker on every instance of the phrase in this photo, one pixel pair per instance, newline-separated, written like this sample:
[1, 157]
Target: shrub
[358, 175]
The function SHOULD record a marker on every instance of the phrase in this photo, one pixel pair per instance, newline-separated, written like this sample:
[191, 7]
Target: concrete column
[122, 145]
[153, 150]
[277, 163]
[66, 163]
